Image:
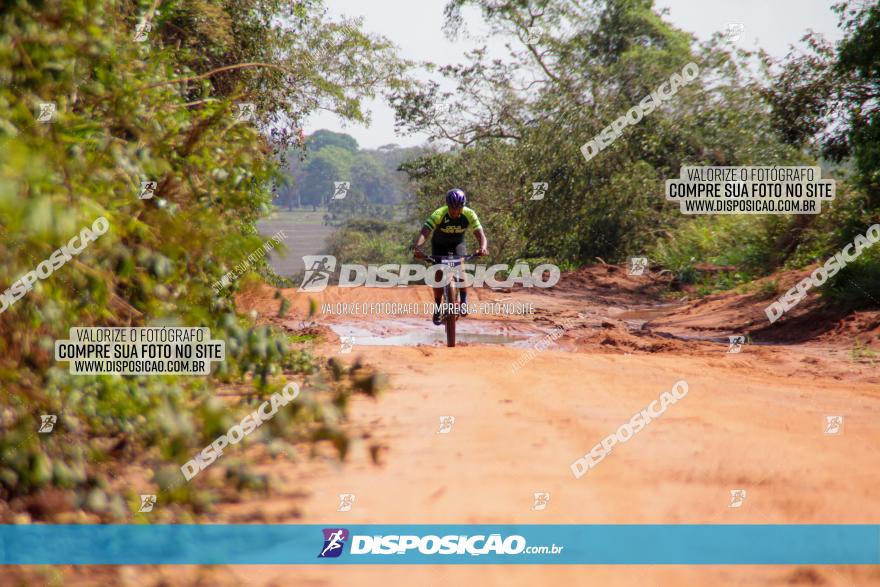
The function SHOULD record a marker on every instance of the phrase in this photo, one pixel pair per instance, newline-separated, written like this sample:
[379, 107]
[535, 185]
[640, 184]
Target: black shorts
[443, 249]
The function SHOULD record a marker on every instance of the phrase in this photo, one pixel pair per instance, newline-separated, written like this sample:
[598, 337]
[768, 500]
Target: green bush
[373, 241]
[857, 285]
[743, 242]
[129, 112]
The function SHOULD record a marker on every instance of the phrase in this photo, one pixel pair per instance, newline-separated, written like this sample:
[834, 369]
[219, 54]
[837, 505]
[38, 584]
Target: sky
[415, 26]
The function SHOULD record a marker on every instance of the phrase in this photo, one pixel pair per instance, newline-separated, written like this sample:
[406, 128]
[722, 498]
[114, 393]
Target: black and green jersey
[449, 231]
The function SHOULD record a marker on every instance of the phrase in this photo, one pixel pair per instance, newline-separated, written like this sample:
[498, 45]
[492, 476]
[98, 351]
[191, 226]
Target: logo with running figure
[142, 31]
[533, 35]
[340, 189]
[539, 190]
[334, 542]
[637, 265]
[737, 497]
[47, 423]
[147, 503]
[734, 30]
[318, 270]
[46, 112]
[736, 343]
[245, 111]
[346, 502]
[833, 424]
[542, 498]
[148, 190]
[446, 424]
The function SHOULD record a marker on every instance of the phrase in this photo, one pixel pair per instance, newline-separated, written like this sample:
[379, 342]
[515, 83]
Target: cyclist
[449, 224]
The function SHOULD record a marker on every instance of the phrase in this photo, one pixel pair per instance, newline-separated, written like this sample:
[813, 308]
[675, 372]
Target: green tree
[575, 69]
[375, 175]
[329, 165]
[161, 109]
[324, 138]
[827, 98]
[369, 178]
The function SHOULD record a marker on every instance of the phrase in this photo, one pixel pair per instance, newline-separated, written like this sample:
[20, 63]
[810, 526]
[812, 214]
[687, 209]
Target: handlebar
[439, 259]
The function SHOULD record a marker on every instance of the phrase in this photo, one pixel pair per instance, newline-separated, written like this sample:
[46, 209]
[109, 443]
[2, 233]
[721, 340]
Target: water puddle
[637, 318]
[404, 333]
[723, 340]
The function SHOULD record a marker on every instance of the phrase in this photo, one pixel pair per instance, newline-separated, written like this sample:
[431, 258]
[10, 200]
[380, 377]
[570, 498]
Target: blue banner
[439, 544]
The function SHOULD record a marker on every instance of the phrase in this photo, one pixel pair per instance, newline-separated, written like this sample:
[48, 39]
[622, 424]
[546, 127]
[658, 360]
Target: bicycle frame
[450, 290]
[450, 308]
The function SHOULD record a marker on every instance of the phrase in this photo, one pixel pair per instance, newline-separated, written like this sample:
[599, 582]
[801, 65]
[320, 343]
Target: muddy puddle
[640, 318]
[412, 333]
[636, 319]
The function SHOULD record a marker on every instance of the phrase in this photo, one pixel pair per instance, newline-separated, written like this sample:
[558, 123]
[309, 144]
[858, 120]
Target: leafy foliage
[573, 68]
[372, 241]
[827, 97]
[129, 111]
[373, 175]
[524, 122]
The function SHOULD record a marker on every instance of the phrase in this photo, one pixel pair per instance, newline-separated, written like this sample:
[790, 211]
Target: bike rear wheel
[451, 316]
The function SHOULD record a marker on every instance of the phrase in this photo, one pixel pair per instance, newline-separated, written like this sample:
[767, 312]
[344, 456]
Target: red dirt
[752, 420]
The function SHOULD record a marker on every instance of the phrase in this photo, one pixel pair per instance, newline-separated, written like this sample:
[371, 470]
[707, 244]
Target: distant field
[304, 216]
[306, 235]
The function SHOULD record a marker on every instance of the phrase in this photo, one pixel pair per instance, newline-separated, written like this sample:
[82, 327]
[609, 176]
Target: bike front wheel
[451, 316]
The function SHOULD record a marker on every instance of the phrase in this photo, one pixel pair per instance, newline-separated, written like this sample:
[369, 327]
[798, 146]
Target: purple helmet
[456, 198]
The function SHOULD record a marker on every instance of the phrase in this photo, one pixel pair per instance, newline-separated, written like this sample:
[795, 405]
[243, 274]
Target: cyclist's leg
[461, 251]
[438, 298]
[438, 290]
[438, 251]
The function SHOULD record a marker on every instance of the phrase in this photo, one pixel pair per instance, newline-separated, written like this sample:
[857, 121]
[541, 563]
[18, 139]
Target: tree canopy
[138, 95]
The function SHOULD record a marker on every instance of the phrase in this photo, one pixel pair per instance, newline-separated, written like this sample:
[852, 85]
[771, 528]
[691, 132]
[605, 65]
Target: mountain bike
[450, 307]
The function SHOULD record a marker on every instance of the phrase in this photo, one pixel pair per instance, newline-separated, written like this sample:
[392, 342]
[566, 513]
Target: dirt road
[753, 420]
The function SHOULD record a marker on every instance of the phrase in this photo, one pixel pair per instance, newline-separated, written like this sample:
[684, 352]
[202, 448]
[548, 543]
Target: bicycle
[450, 308]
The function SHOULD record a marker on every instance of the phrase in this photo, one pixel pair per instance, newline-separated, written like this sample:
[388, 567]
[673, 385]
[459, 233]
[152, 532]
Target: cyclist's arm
[429, 225]
[484, 242]
[478, 230]
[423, 236]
